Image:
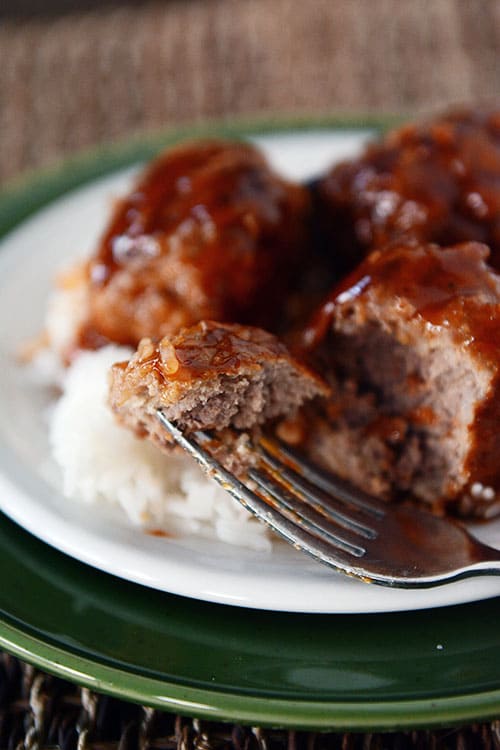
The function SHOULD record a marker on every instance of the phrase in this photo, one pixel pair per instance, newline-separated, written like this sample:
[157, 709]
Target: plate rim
[61, 175]
[389, 715]
[22, 198]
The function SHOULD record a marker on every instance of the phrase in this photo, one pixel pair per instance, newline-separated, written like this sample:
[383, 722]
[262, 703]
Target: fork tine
[335, 556]
[329, 505]
[305, 515]
[304, 478]
[413, 549]
[291, 483]
[298, 469]
[312, 509]
[310, 504]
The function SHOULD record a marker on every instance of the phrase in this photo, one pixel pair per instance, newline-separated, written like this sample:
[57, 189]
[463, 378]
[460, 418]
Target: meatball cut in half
[411, 345]
[210, 376]
[207, 232]
[432, 182]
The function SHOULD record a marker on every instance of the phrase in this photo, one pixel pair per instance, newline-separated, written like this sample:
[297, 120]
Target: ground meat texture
[211, 376]
[410, 343]
[208, 231]
[436, 182]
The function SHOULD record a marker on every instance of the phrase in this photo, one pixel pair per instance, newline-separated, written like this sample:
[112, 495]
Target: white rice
[67, 309]
[102, 462]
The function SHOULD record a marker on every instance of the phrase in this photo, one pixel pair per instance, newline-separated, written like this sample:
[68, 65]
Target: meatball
[208, 231]
[410, 343]
[210, 376]
[438, 182]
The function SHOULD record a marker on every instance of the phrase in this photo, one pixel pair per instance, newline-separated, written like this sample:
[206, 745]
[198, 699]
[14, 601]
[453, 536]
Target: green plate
[208, 660]
[380, 671]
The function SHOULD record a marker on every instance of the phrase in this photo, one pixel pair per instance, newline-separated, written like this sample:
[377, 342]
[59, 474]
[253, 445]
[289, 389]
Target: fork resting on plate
[394, 545]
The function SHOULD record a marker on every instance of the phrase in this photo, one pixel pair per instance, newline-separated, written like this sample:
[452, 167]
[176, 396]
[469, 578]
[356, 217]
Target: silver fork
[343, 527]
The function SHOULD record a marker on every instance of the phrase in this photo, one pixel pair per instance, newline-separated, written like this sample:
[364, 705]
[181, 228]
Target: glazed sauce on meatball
[436, 182]
[452, 291]
[208, 232]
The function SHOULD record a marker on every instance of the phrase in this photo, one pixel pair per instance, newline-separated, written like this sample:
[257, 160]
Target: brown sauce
[160, 533]
[208, 232]
[437, 182]
[449, 289]
[208, 350]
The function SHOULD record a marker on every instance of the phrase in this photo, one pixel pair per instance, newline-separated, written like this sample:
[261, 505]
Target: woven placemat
[40, 711]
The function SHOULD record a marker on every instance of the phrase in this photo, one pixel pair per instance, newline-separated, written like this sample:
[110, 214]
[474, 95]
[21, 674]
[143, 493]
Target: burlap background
[82, 78]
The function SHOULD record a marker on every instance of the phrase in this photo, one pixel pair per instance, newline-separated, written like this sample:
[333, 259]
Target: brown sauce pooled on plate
[160, 533]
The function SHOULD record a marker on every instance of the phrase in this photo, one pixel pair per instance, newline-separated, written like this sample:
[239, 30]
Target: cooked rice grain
[102, 462]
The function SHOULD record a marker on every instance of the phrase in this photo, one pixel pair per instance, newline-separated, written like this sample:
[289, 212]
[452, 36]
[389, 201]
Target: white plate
[29, 483]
